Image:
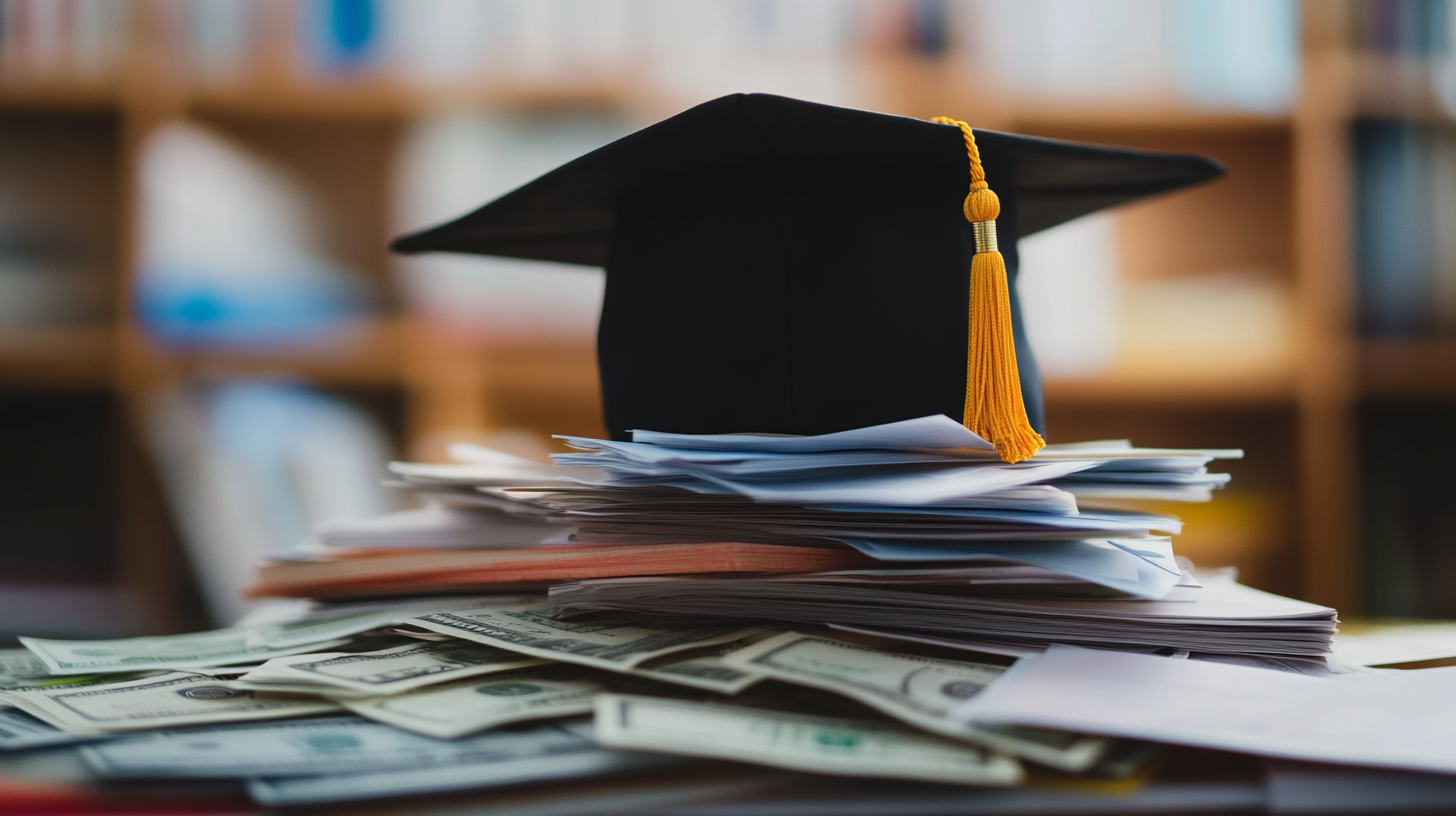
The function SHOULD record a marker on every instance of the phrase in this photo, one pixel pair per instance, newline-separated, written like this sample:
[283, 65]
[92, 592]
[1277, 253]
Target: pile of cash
[742, 610]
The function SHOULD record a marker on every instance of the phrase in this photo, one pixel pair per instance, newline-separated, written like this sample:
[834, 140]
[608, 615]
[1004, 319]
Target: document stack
[867, 586]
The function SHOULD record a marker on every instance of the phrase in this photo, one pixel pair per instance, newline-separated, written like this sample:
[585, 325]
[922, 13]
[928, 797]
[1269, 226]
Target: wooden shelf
[56, 356]
[1225, 389]
[374, 97]
[58, 96]
[1116, 117]
[366, 354]
[1396, 86]
[387, 100]
[1408, 369]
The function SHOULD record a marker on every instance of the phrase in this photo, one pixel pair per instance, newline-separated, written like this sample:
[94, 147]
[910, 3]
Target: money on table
[534, 753]
[316, 746]
[21, 663]
[20, 731]
[157, 702]
[219, 647]
[527, 627]
[799, 741]
[706, 668]
[385, 671]
[921, 691]
[476, 704]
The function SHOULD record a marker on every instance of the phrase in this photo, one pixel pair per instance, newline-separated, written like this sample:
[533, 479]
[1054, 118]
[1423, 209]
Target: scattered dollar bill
[525, 627]
[315, 746]
[219, 647]
[68, 681]
[802, 742]
[385, 671]
[157, 702]
[535, 752]
[21, 669]
[19, 731]
[466, 706]
[702, 668]
[200, 650]
[21, 663]
[919, 690]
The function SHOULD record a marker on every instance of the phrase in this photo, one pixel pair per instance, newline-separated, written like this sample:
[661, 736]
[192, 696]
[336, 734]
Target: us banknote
[20, 731]
[703, 668]
[314, 746]
[21, 663]
[533, 752]
[385, 671]
[157, 702]
[219, 647]
[466, 706]
[526, 628]
[802, 742]
[919, 690]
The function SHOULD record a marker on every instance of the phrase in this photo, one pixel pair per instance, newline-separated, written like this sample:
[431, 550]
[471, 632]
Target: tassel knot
[982, 205]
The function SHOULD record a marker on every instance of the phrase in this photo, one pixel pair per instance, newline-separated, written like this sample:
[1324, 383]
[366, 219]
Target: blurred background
[205, 348]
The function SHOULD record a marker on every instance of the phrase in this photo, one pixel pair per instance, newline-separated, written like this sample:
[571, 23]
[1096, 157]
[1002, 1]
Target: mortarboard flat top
[781, 266]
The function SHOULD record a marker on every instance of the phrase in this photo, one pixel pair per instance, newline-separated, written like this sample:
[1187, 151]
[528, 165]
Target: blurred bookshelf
[1279, 225]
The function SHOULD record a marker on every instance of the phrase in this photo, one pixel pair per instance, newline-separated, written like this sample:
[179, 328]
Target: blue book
[340, 36]
[1393, 229]
[1238, 54]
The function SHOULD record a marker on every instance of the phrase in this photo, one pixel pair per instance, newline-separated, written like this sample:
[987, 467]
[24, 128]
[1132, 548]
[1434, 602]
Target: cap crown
[781, 266]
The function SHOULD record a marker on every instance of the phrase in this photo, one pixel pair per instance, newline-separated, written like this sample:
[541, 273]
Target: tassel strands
[994, 407]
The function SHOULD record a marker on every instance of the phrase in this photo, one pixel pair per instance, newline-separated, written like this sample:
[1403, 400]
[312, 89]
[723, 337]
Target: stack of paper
[908, 495]
[1221, 617]
[800, 605]
[1387, 719]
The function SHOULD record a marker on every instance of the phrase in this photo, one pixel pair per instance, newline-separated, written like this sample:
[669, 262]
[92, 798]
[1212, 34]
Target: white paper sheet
[1398, 644]
[1395, 719]
[939, 431]
[1109, 563]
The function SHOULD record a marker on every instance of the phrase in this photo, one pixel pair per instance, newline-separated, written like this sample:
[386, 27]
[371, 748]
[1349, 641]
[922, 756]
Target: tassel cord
[994, 406]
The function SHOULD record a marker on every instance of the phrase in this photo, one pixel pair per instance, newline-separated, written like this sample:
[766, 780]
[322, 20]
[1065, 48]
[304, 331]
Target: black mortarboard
[778, 266]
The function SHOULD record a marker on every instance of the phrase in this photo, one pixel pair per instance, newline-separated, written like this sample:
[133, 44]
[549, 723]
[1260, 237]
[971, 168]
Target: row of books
[80, 41]
[1405, 190]
[1241, 55]
[1404, 26]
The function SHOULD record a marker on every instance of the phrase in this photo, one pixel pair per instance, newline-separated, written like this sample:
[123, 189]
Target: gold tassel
[994, 407]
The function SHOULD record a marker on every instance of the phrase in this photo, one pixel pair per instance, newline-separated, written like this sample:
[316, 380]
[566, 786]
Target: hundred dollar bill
[198, 650]
[219, 647]
[21, 669]
[466, 706]
[804, 742]
[157, 702]
[21, 663]
[921, 691]
[19, 731]
[526, 628]
[538, 752]
[385, 671]
[702, 668]
[314, 746]
[70, 681]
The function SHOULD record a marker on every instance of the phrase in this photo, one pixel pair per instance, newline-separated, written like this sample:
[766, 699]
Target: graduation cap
[779, 266]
